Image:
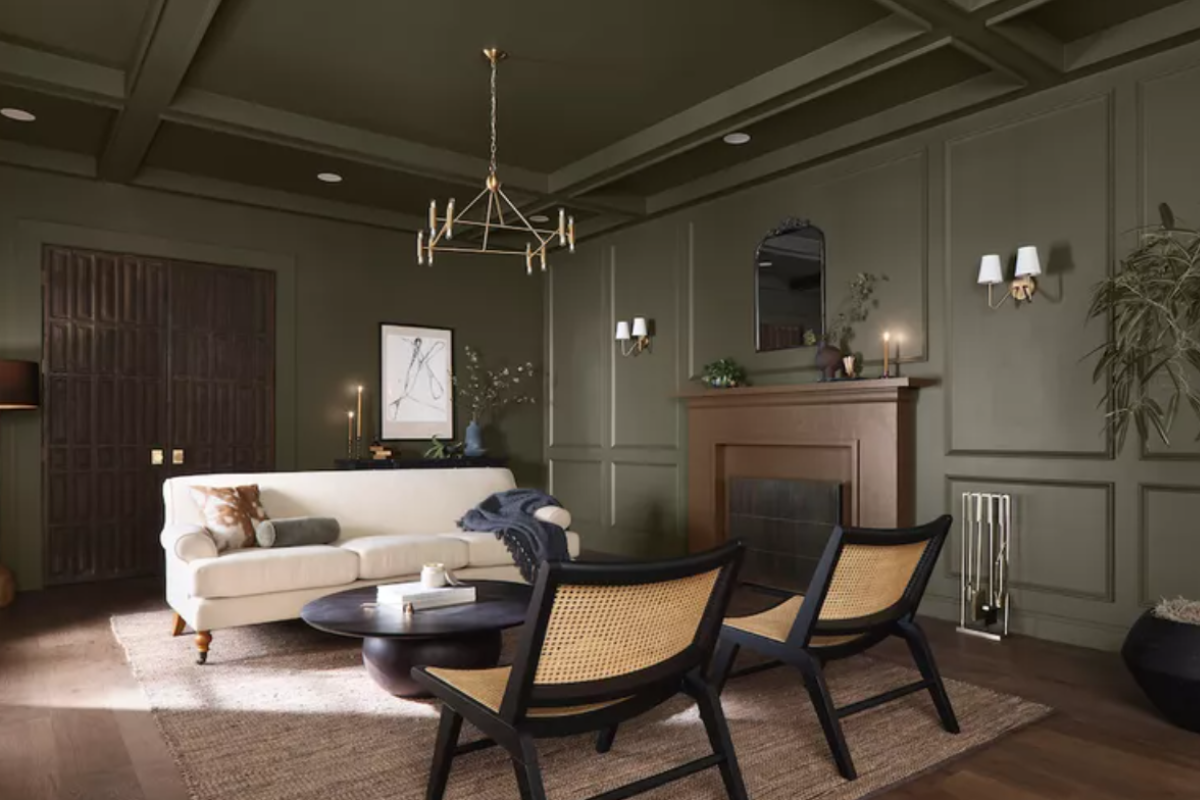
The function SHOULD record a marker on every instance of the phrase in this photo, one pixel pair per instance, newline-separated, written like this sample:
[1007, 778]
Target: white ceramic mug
[433, 576]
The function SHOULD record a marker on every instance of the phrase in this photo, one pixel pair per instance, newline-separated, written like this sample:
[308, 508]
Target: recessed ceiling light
[17, 114]
[329, 177]
[539, 218]
[737, 138]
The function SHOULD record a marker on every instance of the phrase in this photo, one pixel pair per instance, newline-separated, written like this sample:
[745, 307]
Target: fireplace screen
[785, 525]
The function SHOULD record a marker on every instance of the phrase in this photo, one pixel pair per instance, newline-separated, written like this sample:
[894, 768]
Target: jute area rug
[282, 712]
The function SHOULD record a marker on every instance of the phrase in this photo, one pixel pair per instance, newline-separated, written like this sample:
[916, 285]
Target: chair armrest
[187, 542]
[555, 515]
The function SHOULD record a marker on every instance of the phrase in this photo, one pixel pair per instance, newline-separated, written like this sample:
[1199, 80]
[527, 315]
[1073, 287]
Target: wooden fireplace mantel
[859, 433]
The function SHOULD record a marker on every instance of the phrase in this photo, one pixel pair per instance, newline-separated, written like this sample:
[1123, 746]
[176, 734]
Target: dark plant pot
[1164, 657]
[829, 361]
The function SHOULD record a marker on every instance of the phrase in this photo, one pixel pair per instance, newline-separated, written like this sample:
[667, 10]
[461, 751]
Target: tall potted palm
[1150, 365]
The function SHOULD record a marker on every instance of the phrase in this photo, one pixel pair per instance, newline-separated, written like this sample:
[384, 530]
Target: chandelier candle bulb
[562, 228]
[528, 258]
[542, 257]
[450, 219]
[420, 248]
[571, 232]
[432, 221]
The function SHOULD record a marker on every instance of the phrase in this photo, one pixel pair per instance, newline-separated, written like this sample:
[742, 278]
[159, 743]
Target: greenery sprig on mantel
[855, 308]
[1153, 302]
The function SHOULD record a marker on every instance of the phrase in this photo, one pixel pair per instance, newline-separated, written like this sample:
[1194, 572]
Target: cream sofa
[392, 521]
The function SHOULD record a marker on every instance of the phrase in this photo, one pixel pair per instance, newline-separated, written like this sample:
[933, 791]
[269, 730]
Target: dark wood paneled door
[222, 368]
[144, 357]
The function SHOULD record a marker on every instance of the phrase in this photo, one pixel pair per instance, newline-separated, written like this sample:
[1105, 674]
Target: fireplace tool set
[986, 550]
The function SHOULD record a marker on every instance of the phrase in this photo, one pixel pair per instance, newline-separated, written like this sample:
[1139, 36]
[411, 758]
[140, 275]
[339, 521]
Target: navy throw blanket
[509, 515]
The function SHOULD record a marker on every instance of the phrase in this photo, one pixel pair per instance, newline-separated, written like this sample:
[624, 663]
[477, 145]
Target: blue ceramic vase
[474, 441]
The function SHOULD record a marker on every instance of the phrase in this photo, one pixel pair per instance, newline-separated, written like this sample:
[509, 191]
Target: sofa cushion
[396, 556]
[239, 573]
[485, 550]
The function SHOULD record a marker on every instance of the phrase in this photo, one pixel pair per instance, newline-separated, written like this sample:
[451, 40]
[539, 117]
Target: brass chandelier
[441, 229]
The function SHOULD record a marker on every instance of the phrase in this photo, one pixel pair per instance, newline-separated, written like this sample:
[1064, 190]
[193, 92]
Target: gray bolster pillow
[297, 531]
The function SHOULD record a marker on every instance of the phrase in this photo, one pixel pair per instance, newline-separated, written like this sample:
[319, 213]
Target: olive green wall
[1073, 170]
[336, 283]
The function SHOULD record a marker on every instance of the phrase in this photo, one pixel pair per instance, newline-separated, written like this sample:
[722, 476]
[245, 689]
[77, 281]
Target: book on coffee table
[398, 594]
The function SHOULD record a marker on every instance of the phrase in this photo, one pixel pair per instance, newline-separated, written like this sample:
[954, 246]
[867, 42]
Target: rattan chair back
[598, 632]
[867, 579]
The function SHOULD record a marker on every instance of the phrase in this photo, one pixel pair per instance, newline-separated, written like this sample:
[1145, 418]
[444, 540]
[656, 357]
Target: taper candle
[887, 337]
[359, 413]
[350, 433]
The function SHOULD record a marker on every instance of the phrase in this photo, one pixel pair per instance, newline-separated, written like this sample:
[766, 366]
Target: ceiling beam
[229, 115]
[972, 33]
[174, 31]
[759, 97]
[46, 159]
[164, 180]
[61, 76]
[1166, 23]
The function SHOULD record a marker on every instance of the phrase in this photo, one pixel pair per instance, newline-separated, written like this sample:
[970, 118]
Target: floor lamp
[20, 382]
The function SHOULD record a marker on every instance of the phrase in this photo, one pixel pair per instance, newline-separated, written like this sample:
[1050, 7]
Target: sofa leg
[179, 625]
[203, 640]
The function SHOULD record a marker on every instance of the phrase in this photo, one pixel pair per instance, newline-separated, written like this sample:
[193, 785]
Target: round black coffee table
[465, 636]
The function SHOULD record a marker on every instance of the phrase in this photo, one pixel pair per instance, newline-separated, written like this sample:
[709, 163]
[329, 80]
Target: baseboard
[1081, 633]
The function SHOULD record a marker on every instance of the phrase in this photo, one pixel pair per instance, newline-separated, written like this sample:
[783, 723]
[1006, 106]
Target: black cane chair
[866, 587]
[602, 643]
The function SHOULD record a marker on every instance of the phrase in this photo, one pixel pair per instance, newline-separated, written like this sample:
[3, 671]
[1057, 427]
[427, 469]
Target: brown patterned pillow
[231, 514]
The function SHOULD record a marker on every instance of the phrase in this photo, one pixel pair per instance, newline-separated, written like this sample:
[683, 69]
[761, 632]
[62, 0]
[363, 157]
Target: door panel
[105, 363]
[145, 353]
[222, 369]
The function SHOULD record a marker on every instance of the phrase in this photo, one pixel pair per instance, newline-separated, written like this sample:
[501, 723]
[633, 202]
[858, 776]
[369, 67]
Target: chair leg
[178, 625]
[722, 663]
[604, 739]
[818, 692]
[918, 645]
[443, 753]
[203, 640]
[529, 773]
[717, 728]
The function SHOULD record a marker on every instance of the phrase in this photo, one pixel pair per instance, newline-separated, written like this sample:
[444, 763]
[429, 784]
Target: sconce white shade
[622, 331]
[639, 327]
[1027, 262]
[991, 271]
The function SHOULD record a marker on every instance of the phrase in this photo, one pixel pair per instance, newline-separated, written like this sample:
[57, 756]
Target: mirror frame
[789, 225]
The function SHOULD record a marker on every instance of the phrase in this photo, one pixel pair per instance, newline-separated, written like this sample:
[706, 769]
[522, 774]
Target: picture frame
[416, 382]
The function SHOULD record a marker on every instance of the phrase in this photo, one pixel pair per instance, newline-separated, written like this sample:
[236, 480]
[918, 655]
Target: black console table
[419, 463]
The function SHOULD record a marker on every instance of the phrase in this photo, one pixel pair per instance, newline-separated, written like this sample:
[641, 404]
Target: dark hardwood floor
[73, 722]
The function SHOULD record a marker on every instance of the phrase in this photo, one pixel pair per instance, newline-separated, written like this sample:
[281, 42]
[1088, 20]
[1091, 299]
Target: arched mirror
[789, 283]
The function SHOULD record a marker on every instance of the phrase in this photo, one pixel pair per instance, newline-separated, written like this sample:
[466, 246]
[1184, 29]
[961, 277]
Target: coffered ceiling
[617, 109]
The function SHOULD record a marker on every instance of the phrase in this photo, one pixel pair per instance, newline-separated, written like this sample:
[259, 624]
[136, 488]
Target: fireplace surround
[859, 434]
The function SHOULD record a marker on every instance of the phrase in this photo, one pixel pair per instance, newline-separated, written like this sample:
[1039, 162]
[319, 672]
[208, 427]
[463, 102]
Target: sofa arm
[187, 542]
[555, 515]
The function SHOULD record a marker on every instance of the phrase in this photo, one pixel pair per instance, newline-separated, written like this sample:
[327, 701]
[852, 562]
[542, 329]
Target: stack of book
[420, 596]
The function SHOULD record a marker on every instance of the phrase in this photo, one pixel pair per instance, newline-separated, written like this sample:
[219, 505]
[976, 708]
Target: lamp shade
[1027, 262]
[991, 270]
[622, 331]
[639, 327]
[19, 384]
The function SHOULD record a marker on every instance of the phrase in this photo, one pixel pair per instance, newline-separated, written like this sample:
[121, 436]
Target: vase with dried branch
[486, 392]
[855, 308]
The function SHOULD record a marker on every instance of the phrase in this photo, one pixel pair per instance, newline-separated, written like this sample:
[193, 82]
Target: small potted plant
[486, 392]
[724, 373]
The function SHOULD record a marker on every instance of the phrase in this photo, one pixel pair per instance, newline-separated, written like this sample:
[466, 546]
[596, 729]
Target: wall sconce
[991, 273]
[640, 336]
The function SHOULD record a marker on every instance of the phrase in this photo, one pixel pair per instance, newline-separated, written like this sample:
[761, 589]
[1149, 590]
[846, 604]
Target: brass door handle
[156, 457]
[177, 456]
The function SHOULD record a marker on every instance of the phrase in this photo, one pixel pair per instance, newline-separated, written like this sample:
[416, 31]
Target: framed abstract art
[416, 380]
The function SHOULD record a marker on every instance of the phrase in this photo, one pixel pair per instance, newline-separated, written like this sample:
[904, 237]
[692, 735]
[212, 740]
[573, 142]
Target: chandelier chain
[492, 164]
